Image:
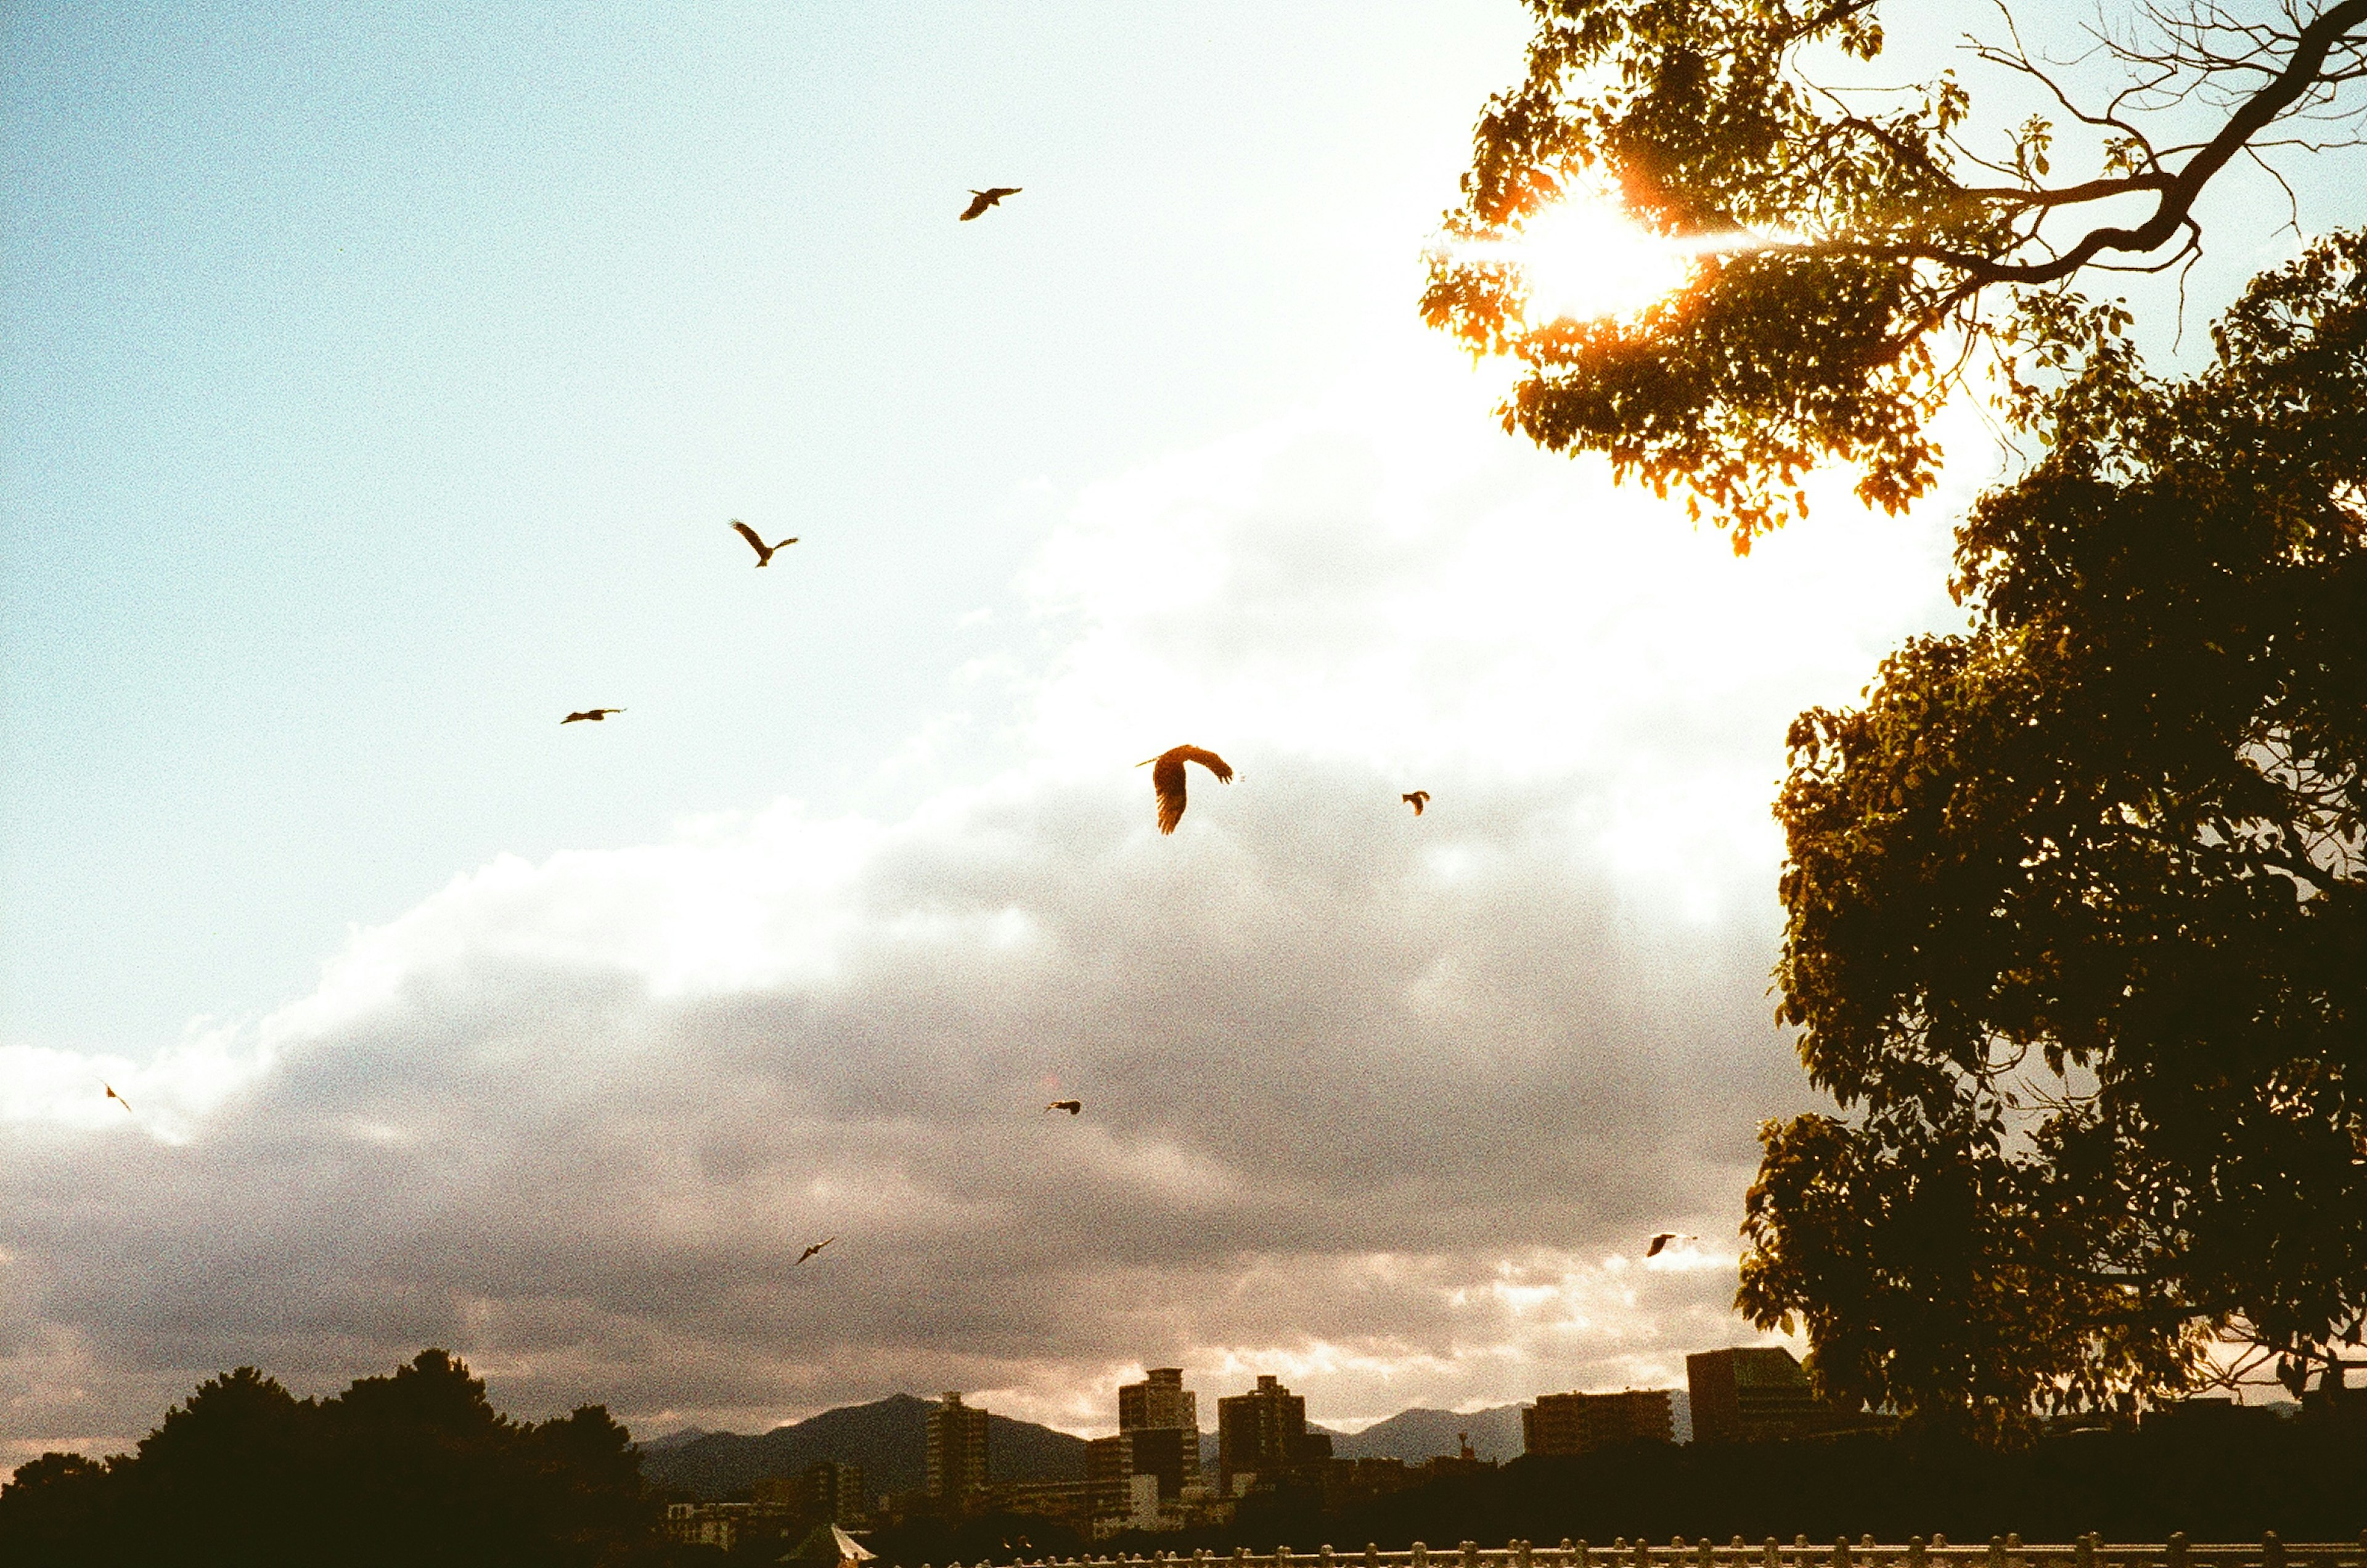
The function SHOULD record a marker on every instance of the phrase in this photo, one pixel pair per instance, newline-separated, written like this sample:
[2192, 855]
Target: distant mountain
[1418, 1434]
[889, 1438]
[671, 1440]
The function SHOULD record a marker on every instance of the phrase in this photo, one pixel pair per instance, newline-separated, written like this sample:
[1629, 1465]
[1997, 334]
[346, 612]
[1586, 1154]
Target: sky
[376, 388]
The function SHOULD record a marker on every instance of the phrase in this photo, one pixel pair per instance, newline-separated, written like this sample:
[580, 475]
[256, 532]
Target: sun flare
[1586, 259]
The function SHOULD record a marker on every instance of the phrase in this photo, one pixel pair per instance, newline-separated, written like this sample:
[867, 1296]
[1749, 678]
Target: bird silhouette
[1660, 1241]
[817, 1246]
[119, 1099]
[1072, 1106]
[979, 200]
[596, 716]
[1418, 800]
[1167, 778]
[764, 552]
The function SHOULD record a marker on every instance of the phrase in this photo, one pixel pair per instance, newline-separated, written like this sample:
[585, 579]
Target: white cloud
[1383, 1105]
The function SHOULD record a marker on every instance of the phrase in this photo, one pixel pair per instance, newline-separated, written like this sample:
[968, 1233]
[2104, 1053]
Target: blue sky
[379, 384]
[374, 389]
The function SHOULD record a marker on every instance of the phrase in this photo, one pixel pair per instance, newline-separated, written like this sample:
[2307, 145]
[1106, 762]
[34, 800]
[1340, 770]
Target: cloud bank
[1385, 1106]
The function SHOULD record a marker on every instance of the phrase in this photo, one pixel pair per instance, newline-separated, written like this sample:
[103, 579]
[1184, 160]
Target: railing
[1999, 1552]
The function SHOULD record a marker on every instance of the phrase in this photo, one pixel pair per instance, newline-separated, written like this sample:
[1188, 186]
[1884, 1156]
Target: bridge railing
[1999, 1552]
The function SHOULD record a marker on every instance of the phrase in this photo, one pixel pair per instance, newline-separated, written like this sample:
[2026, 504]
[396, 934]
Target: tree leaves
[2121, 825]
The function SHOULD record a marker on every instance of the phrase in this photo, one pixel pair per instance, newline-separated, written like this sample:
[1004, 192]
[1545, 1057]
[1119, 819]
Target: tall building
[957, 1451]
[1752, 1394]
[1160, 1400]
[1262, 1438]
[1581, 1422]
[1162, 1418]
[825, 1492]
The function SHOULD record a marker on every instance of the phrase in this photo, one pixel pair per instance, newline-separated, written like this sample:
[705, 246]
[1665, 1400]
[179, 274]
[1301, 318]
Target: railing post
[1842, 1552]
[1574, 1553]
[1372, 1555]
[1420, 1555]
[1323, 1555]
[1771, 1554]
[2273, 1550]
[1643, 1552]
[1470, 1552]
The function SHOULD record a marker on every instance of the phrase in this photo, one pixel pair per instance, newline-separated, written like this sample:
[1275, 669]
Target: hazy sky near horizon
[376, 388]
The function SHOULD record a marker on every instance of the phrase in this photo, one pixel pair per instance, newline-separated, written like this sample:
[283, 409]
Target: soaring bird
[1167, 778]
[979, 200]
[1072, 1106]
[817, 1246]
[595, 715]
[1662, 1240]
[1418, 800]
[764, 552]
[119, 1099]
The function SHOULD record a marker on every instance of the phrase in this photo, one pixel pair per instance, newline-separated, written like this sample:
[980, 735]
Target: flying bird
[1661, 1241]
[1418, 800]
[1167, 778]
[119, 1099]
[596, 716]
[979, 200]
[1072, 1106]
[764, 552]
[817, 1246]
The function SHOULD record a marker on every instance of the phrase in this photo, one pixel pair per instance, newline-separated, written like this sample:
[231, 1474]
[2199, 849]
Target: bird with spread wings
[1660, 1242]
[764, 552]
[597, 716]
[1167, 779]
[979, 200]
[817, 1246]
[1418, 800]
[1073, 1107]
[121, 1100]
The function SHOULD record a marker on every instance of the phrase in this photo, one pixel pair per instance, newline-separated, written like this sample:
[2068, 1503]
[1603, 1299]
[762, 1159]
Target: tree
[1851, 245]
[2077, 911]
[417, 1467]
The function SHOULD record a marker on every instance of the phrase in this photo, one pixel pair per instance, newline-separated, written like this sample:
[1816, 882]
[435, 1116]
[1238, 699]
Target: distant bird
[979, 200]
[1072, 1106]
[1661, 1241]
[597, 716]
[119, 1099]
[817, 1246]
[1167, 778]
[764, 552]
[1418, 800]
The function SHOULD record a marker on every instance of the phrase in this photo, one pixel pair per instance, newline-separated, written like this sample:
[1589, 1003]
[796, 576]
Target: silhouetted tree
[417, 1467]
[2077, 909]
[1864, 235]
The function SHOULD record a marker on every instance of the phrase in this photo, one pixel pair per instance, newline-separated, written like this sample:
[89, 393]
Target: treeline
[406, 1469]
[2229, 1481]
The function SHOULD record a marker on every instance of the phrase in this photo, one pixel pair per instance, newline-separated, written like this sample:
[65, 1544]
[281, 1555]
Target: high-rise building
[1752, 1394]
[824, 1493]
[1158, 1400]
[1162, 1419]
[1262, 1438]
[957, 1451]
[1109, 1474]
[1581, 1422]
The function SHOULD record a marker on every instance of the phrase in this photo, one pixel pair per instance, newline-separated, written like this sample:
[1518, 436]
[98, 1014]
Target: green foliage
[2077, 907]
[1845, 236]
[417, 1467]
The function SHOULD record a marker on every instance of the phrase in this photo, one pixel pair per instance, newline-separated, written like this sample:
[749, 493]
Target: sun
[1585, 259]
